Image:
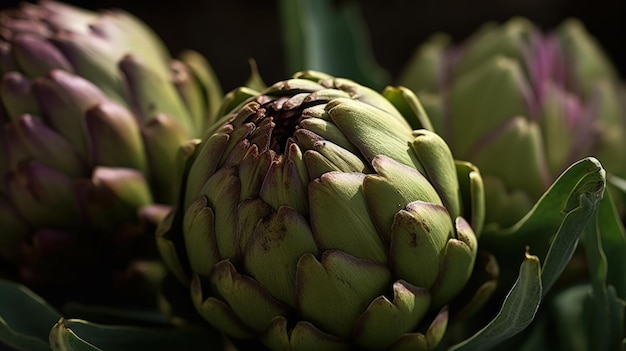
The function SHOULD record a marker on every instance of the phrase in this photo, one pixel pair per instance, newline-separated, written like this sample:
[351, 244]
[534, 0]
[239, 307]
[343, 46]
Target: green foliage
[330, 38]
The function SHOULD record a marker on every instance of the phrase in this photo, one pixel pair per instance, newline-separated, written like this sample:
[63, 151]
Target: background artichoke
[522, 105]
[93, 112]
[314, 217]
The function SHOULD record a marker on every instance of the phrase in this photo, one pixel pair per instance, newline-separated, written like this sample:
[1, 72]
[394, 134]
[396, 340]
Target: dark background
[228, 32]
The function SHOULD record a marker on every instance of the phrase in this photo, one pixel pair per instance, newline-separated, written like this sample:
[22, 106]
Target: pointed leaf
[553, 225]
[25, 318]
[80, 335]
[518, 310]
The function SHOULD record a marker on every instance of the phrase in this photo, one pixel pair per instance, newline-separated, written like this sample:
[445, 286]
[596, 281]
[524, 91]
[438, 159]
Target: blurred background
[230, 32]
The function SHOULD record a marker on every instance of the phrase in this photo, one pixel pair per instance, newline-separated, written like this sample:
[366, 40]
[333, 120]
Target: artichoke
[314, 217]
[522, 105]
[93, 110]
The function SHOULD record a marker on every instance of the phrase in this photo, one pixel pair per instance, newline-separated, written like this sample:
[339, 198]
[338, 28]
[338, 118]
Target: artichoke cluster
[522, 105]
[151, 211]
[316, 217]
[93, 110]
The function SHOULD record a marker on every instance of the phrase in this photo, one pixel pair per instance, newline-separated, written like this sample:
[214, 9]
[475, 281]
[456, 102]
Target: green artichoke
[93, 110]
[522, 105]
[314, 217]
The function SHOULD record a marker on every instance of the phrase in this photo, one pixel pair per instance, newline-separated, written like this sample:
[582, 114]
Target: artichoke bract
[522, 105]
[93, 110]
[315, 217]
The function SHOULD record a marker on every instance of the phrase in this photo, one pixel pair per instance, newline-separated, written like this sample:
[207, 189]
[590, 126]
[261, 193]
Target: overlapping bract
[522, 105]
[93, 112]
[314, 217]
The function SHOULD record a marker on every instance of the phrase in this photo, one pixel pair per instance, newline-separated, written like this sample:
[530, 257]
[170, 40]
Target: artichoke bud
[94, 111]
[314, 215]
[538, 109]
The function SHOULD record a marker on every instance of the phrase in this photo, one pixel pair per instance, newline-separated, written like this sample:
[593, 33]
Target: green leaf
[80, 335]
[255, 81]
[115, 315]
[26, 321]
[552, 227]
[566, 239]
[609, 247]
[518, 309]
[604, 242]
[536, 340]
[25, 318]
[588, 319]
[332, 38]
